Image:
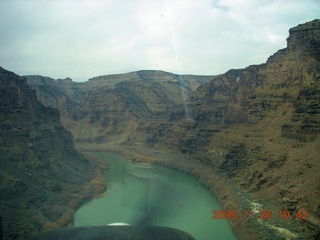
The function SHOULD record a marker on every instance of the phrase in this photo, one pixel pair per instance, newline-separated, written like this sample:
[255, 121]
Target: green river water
[154, 195]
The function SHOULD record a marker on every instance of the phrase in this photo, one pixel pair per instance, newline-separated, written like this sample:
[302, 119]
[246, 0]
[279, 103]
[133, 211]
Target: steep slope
[42, 175]
[256, 128]
[269, 121]
[111, 109]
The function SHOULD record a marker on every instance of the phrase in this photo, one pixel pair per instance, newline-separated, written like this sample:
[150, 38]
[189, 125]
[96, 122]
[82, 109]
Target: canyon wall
[42, 176]
[258, 126]
[114, 109]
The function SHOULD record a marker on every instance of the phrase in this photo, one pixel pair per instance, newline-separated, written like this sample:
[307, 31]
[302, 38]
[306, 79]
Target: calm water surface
[153, 195]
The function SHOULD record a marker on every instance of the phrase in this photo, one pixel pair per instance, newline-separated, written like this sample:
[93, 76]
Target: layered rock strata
[42, 175]
[111, 109]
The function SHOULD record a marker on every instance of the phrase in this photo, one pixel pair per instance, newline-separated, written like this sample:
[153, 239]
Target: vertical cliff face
[289, 81]
[41, 173]
[267, 125]
[290, 75]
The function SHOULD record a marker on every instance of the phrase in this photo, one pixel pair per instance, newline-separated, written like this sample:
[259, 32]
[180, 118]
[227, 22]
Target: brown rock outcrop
[41, 175]
[112, 109]
[268, 117]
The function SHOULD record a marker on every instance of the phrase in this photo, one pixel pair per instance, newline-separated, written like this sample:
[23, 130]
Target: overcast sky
[82, 39]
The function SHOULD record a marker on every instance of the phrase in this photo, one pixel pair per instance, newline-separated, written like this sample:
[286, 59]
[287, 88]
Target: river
[153, 195]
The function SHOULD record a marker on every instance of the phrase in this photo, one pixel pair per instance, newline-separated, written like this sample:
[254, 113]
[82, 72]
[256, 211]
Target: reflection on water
[153, 195]
[129, 197]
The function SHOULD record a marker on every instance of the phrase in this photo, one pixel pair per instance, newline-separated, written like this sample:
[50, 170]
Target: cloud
[81, 39]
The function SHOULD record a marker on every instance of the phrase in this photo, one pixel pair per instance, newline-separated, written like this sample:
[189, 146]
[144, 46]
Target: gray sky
[81, 39]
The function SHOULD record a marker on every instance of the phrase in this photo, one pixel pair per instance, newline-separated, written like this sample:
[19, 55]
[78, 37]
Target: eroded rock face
[41, 172]
[259, 126]
[114, 108]
[268, 117]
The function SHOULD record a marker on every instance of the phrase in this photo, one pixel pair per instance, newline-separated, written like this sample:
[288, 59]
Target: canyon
[250, 135]
[256, 127]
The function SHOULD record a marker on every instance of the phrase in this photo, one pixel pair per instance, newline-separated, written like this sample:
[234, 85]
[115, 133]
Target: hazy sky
[82, 39]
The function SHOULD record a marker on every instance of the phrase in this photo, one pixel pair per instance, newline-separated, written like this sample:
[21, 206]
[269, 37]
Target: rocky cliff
[42, 175]
[112, 109]
[267, 122]
[256, 127]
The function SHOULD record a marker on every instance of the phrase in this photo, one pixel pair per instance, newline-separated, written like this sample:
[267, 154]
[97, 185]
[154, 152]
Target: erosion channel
[142, 194]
